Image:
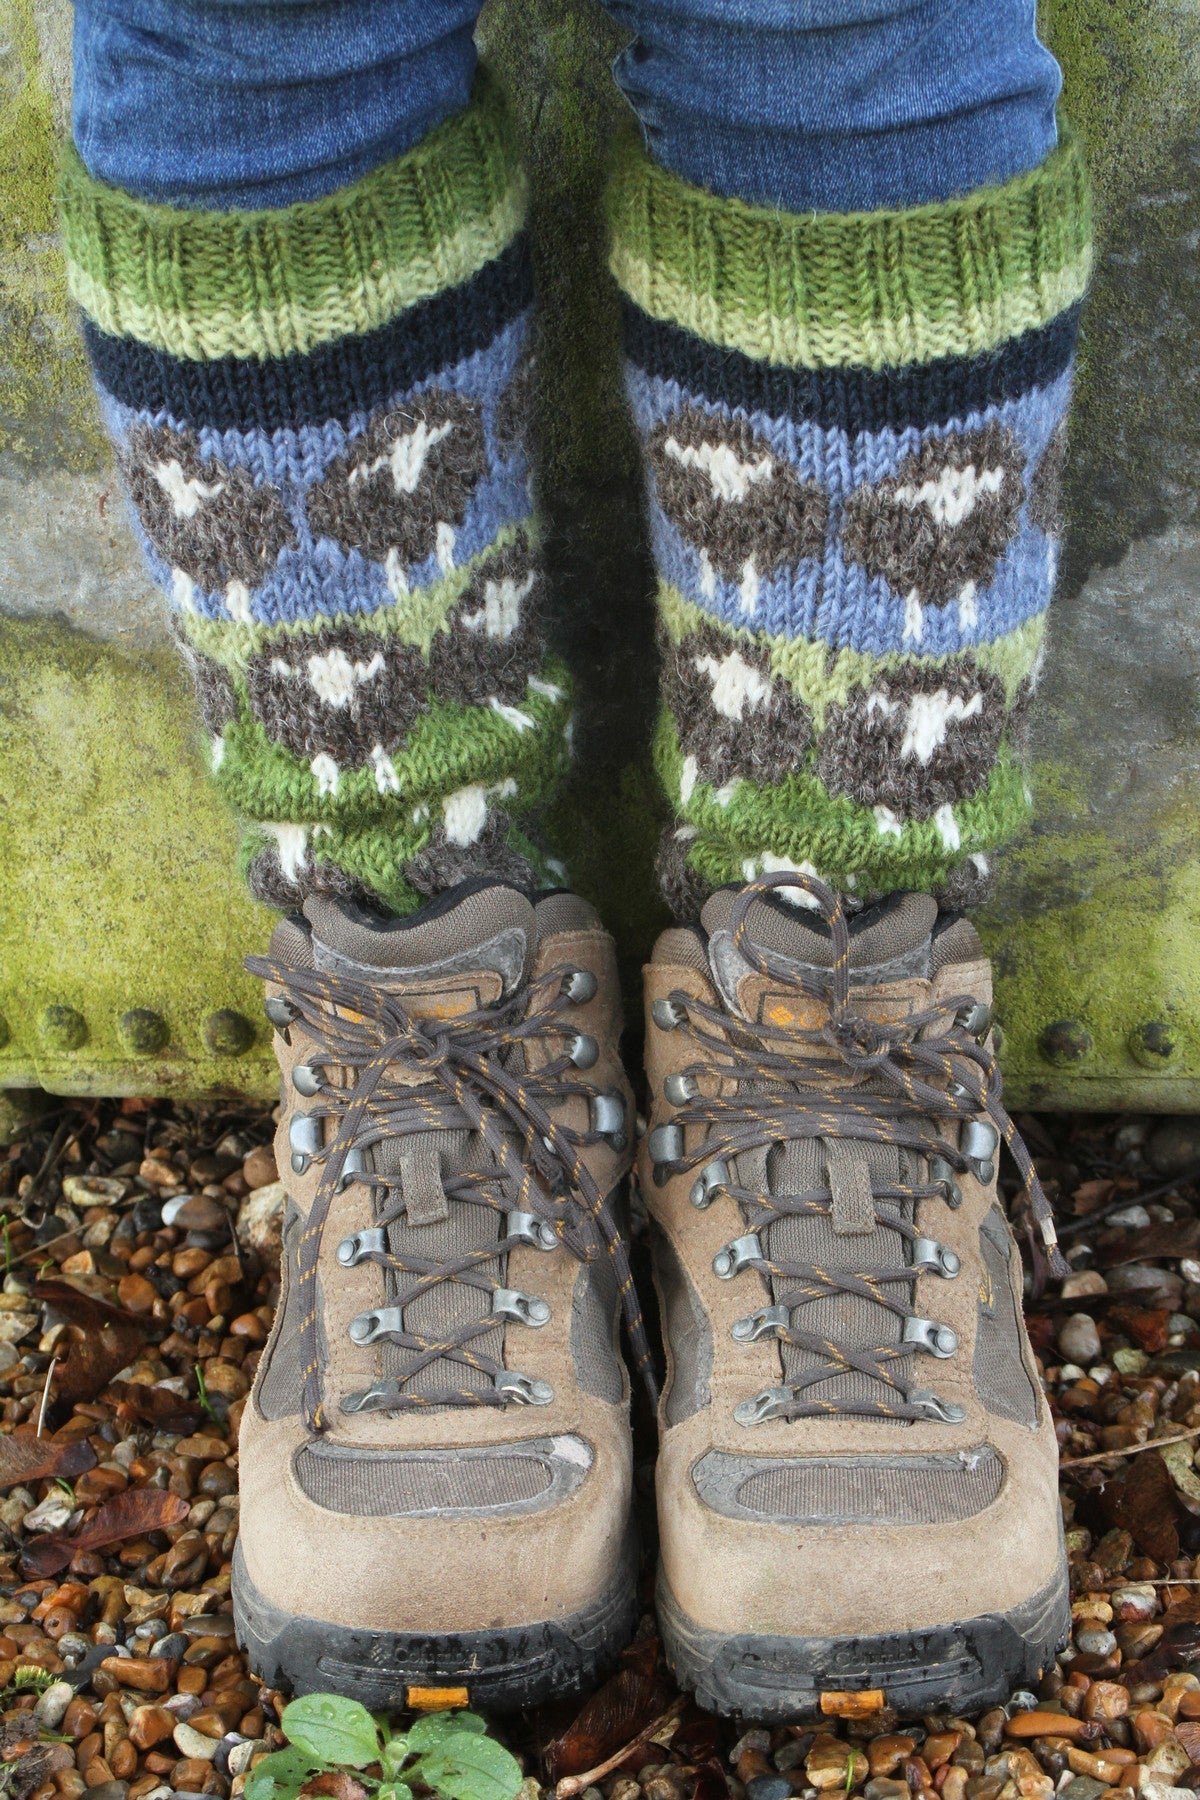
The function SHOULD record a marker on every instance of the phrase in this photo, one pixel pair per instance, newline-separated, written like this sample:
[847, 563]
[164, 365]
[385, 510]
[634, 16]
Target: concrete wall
[121, 924]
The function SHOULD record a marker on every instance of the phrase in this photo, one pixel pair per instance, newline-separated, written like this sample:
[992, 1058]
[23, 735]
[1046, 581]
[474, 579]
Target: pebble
[52, 1704]
[260, 1168]
[769, 1787]
[1079, 1340]
[1128, 1218]
[194, 1744]
[260, 1220]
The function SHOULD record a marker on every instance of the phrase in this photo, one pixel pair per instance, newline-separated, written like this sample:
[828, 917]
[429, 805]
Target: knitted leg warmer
[319, 414]
[854, 434]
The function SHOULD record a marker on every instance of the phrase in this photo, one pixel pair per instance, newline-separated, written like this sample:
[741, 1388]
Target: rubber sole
[960, 1667]
[501, 1669]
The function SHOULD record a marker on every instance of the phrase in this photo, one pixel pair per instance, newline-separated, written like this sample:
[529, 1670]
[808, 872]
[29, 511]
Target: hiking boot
[858, 1472]
[435, 1458]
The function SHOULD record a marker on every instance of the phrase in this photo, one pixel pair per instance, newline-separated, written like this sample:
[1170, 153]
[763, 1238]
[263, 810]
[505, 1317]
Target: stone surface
[1097, 917]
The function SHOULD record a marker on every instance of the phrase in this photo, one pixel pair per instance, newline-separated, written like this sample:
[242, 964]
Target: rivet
[1152, 1044]
[227, 1033]
[62, 1028]
[143, 1031]
[1066, 1041]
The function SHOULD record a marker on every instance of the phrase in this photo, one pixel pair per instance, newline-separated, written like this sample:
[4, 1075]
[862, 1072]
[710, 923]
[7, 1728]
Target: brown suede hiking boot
[858, 1474]
[435, 1459]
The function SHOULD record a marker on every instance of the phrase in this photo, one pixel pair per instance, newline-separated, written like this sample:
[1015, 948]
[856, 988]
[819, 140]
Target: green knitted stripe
[822, 677]
[378, 856]
[269, 283]
[450, 747]
[415, 618]
[869, 290]
[799, 821]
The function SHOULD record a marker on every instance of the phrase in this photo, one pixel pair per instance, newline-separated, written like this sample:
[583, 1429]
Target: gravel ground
[141, 1267]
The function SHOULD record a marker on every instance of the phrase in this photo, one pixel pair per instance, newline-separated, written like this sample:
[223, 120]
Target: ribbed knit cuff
[854, 435]
[319, 413]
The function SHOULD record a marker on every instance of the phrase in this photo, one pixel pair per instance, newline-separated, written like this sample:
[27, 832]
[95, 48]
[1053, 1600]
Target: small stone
[768, 1787]
[172, 1645]
[150, 1725]
[108, 1790]
[1134, 1601]
[53, 1704]
[136, 1294]
[1078, 1339]
[1105, 1701]
[1175, 1688]
[1129, 1218]
[195, 1212]
[1095, 1640]
[241, 1755]
[260, 1220]
[1150, 1728]
[52, 1514]
[1084, 1284]
[1168, 1760]
[830, 1762]
[1085, 1787]
[1130, 1362]
[1037, 1723]
[883, 1787]
[885, 1754]
[260, 1168]
[757, 1740]
[193, 1744]
[142, 1672]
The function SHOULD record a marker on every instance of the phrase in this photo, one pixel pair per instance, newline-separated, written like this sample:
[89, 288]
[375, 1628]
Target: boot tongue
[888, 942]
[469, 948]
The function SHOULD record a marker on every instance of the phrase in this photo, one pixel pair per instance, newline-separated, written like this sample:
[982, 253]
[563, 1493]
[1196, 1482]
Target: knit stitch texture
[854, 430]
[320, 417]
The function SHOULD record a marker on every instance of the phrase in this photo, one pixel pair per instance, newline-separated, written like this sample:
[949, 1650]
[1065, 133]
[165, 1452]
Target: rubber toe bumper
[960, 1667]
[502, 1669]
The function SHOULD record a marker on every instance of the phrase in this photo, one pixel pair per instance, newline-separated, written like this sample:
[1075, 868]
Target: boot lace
[400, 1074]
[924, 1084]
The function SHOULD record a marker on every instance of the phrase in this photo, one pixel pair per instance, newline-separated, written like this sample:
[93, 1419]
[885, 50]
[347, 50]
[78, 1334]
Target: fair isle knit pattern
[854, 435]
[319, 414]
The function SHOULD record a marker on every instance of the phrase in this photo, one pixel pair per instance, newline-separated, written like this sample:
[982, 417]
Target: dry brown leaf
[128, 1515]
[99, 1340]
[336, 1782]
[158, 1406]
[1142, 1502]
[625, 1705]
[24, 1459]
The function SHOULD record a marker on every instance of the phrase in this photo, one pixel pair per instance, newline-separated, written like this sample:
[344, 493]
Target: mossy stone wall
[121, 924]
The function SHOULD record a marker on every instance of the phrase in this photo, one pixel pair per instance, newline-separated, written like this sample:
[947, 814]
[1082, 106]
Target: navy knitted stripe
[855, 400]
[352, 374]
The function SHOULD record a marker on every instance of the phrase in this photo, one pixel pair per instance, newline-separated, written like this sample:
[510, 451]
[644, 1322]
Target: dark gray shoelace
[467, 1078]
[851, 1081]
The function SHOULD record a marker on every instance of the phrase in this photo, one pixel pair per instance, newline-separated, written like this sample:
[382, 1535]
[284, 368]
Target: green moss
[125, 898]
[1131, 88]
[47, 413]
[1103, 932]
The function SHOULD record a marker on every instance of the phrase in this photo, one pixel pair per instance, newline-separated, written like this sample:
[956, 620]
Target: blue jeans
[837, 105]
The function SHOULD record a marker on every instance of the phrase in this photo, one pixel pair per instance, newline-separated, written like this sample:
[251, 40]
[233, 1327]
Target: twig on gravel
[54, 1362]
[570, 1785]
[1180, 1437]
[1072, 1227]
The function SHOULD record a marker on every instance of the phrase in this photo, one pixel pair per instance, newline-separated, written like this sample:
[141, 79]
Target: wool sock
[319, 414]
[854, 434]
